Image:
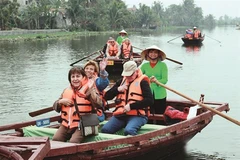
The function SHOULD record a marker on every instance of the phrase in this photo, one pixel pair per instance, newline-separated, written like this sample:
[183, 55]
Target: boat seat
[33, 131]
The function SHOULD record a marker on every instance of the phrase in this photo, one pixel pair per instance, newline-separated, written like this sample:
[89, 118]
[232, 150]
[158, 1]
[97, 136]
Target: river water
[33, 75]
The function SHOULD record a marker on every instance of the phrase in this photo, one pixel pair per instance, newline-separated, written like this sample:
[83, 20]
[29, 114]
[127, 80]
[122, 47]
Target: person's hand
[90, 83]
[122, 88]
[127, 108]
[65, 102]
[103, 64]
[153, 79]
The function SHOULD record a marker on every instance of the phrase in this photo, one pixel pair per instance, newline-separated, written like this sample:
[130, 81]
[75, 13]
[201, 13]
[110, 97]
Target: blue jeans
[131, 123]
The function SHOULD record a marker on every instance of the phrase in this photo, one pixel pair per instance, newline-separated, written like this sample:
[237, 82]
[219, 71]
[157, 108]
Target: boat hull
[156, 141]
[191, 41]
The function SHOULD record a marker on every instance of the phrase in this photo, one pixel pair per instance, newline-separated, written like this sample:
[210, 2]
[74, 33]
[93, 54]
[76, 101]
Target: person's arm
[107, 51]
[104, 48]
[118, 54]
[93, 96]
[164, 71]
[112, 92]
[147, 97]
[101, 82]
[57, 105]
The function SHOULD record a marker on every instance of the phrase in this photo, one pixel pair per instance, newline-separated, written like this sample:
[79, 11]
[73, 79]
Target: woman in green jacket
[156, 70]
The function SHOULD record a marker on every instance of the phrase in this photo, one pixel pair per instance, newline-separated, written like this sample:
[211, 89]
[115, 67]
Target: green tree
[8, 14]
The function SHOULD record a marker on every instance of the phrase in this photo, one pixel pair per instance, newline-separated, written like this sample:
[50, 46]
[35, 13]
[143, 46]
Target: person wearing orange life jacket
[126, 49]
[91, 69]
[82, 92]
[196, 33]
[189, 34]
[112, 49]
[133, 98]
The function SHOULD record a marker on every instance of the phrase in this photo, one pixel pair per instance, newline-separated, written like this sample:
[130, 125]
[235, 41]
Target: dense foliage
[102, 15]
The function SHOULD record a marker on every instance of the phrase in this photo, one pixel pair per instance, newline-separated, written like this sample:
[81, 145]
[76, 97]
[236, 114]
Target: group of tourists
[137, 93]
[120, 48]
[193, 34]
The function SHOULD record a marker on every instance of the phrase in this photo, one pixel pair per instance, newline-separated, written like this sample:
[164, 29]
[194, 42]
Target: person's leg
[134, 124]
[160, 108]
[76, 136]
[113, 125]
[61, 134]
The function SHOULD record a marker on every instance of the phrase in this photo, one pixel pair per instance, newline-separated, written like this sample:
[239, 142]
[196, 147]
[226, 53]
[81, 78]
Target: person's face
[127, 41]
[122, 34]
[90, 71]
[132, 77]
[112, 43]
[76, 80]
[153, 54]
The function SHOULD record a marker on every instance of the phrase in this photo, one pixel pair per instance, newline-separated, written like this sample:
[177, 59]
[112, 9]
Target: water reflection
[192, 48]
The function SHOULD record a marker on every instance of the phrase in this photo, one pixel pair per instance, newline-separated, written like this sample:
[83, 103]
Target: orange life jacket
[188, 36]
[131, 95]
[112, 49]
[196, 33]
[126, 49]
[69, 115]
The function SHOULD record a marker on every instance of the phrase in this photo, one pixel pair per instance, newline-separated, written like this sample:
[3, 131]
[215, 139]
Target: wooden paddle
[85, 57]
[213, 38]
[41, 111]
[174, 38]
[24, 124]
[166, 57]
[201, 104]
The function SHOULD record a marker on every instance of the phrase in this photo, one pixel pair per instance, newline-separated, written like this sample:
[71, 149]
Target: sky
[215, 7]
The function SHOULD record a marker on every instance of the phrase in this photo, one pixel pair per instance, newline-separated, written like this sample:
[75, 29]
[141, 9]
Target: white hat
[129, 68]
[194, 27]
[162, 55]
[123, 31]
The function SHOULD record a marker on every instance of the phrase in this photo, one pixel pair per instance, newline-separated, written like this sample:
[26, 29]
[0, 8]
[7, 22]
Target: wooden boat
[116, 65]
[23, 141]
[193, 41]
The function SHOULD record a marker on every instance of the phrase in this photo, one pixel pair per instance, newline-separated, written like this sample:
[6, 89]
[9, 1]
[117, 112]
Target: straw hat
[123, 31]
[162, 55]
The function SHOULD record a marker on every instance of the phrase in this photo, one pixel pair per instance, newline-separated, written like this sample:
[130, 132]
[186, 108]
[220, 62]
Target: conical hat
[123, 31]
[162, 55]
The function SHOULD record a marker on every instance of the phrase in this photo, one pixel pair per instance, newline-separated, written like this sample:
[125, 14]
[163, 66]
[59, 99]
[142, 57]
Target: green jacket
[160, 71]
[120, 39]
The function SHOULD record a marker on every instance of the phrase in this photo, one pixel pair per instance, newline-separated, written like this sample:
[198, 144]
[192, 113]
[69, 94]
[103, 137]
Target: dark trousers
[158, 107]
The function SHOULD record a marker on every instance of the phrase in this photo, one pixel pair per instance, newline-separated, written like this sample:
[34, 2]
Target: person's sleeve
[112, 92]
[107, 53]
[102, 82]
[147, 97]
[93, 96]
[164, 78]
[56, 106]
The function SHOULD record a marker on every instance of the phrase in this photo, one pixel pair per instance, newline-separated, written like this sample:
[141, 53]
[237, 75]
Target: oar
[41, 111]
[213, 39]
[166, 57]
[201, 104]
[24, 124]
[174, 38]
[84, 58]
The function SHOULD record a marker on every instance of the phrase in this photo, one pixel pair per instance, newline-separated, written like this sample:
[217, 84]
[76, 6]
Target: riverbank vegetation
[103, 15]
[50, 35]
